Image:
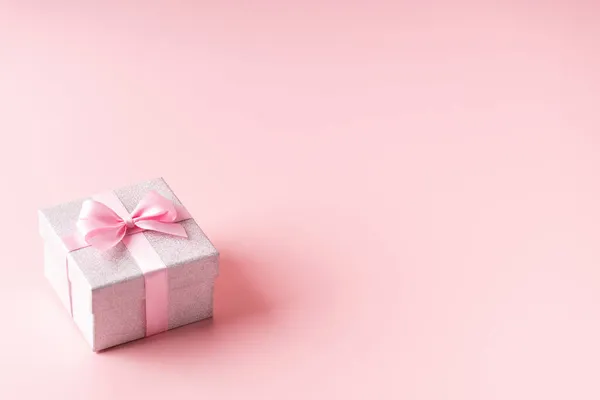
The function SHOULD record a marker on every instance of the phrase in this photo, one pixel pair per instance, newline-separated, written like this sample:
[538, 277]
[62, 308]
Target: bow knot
[103, 228]
[129, 222]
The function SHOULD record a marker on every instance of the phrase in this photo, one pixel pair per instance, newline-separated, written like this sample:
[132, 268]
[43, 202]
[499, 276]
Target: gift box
[128, 263]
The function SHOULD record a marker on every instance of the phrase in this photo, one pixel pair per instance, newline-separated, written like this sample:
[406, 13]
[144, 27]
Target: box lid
[106, 272]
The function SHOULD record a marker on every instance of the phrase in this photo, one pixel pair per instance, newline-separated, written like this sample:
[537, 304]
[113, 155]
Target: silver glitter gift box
[105, 291]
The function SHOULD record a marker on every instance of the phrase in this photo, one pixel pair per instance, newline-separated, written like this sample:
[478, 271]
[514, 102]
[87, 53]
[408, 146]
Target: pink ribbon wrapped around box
[128, 263]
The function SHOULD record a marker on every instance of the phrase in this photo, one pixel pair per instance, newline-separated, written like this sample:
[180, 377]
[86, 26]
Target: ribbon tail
[155, 207]
[169, 228]
[182, 213]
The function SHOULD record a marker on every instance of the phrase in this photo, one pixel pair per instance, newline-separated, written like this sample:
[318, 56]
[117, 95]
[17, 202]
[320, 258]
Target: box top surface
[105, 268]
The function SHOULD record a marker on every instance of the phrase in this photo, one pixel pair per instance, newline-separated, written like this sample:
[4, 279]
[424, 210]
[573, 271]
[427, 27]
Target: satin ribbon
[104, 222]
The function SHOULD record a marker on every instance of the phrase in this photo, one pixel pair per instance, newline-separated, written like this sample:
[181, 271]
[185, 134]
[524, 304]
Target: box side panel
[81, 299]
[120, 325]
[116, 326]
[55, 271]
[193, 273]
[110, 315]
[190, 304]
[55, 267]
[118, 295]
[191, 291]
[119, 313]
[85, 323]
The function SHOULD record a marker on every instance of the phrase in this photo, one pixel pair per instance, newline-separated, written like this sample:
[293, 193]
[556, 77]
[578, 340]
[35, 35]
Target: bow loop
[154, 207]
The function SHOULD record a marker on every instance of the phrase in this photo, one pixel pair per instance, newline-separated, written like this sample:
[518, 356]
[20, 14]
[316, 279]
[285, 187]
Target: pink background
[406, 197]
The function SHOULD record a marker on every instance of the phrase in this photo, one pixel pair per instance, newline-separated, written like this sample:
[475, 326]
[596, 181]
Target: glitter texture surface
[108, 287]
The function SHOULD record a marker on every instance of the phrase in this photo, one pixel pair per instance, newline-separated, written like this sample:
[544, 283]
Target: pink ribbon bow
[103, 228]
